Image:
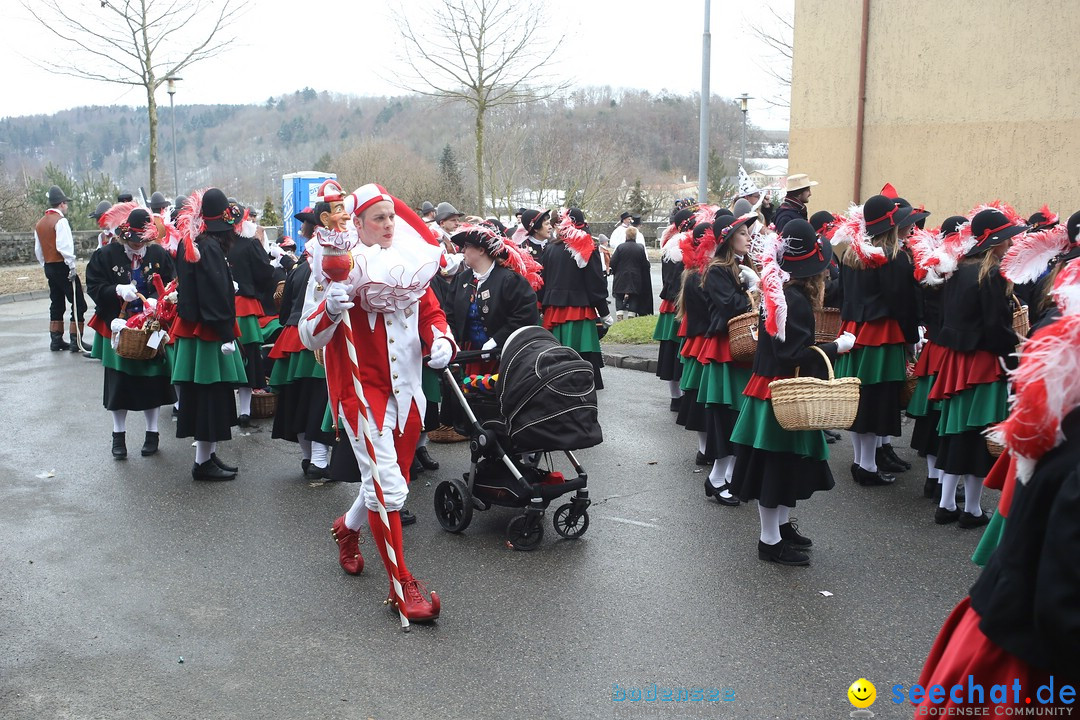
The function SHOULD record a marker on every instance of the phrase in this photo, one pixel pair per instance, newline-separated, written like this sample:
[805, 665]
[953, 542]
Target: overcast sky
[622, 43]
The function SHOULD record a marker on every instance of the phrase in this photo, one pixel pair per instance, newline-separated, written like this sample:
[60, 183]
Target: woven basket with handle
[742, 336]
[806, 403]
[132, 344]
[826, 324]
[263, 404]
[278, 292]
[1021, 321]
[994, 448]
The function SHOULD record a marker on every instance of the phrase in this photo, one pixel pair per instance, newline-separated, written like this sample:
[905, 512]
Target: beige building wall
[965, 102]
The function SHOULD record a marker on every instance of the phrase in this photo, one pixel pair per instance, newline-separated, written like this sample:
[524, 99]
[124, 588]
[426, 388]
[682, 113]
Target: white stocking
[701, 442]
[319, 454]
[948, 490]
[203, 449]
[770, 524]
[973, 487]
[119, 420]
[867, 445]
[357, 514]
[673, 389]
[244, 394]
[305, 446]
[856, 448]
[931, 468]
[151, 416]
[716, 475]
[785, 514]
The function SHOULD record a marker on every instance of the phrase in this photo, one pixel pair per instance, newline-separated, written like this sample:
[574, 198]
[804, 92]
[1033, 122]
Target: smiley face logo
[862, 693]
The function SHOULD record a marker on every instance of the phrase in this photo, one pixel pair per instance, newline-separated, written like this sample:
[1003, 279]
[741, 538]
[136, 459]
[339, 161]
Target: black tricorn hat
[819, 219]
[683, 220]
[882, 214]
[989, 228]
[308, 215]
[138, 218]
[1039, 221]
[952, 224]
[725, 225]
[805, 254]
[914, 216]
[532, 219]
[218, 212]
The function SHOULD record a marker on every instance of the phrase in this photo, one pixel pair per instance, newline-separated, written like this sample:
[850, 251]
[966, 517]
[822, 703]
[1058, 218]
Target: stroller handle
[465, 356]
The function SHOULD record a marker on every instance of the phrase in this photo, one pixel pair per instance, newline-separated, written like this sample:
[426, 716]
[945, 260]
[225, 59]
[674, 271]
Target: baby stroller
[544, 402]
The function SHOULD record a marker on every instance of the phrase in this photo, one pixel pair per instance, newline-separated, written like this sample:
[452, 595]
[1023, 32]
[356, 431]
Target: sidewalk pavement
[630, 357]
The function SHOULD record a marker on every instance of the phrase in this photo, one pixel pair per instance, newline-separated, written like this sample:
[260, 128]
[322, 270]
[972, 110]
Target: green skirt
[757, 427]
[920, 405]
[723, 384]
[203, 363]
[295, 366]
[872, 365]
[974, 408]
[667, 328]
[250, 332]
[990, 539]
[271, 327]
[431, 384]
[580, 335]
[691, 374]
[103, 351]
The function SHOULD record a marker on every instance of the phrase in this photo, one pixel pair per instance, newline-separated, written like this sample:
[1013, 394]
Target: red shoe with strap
[348, 542]
[417, 608]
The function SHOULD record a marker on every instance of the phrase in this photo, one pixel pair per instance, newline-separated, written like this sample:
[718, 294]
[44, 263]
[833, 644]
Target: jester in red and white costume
[391, 257]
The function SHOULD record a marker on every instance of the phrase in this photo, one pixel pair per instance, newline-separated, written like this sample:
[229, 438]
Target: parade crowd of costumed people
[352, 333]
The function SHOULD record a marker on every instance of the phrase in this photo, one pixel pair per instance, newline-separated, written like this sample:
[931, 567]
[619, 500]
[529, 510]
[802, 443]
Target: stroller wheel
[567, 524]
[519, 536]
[453, 505]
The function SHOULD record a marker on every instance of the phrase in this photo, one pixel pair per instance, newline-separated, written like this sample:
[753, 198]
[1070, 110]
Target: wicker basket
[132, 344]
[1021, 321]
[908, 391]
[994, 448]
[742, 336]
[826, 324]
[278, 292]
[445, 434]
[806, 403]
[319, 356]
[263, 404]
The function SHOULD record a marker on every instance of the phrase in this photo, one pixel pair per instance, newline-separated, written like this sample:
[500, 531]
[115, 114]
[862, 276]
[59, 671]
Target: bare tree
[485, 53]
[136, 42]
[777, 32]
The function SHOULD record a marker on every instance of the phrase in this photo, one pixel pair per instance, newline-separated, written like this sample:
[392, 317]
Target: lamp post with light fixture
[743, 104]
[172, 111]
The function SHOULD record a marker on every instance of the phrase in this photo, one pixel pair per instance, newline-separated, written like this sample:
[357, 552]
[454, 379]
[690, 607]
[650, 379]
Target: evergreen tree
[269, 213]
[452, 188]
[637, 200]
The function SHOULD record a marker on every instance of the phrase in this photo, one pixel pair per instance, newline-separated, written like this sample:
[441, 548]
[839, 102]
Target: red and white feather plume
[771, 286]
[579, 242]
[523, 263]
[116, 216]
[1031, 253]
[1066, 290]
[696, 252]
[923, 245]
[190, 224]
[705, 213]
[672, 249]
[852, 230]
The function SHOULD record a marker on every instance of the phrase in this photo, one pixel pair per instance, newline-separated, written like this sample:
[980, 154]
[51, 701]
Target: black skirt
[691, 413]
[668, 363]
[207, 412]
[924, 436]
[343, 465]
[253, 364]
[301, 409]
[719, 423]
[879, 409]
[597, 360]
[964, 454]
[777, 478]
[130, 392]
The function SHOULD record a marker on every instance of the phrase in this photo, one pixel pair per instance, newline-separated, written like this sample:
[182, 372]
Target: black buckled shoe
[406, 517]
[425, 458]
[210, 470]
[150, 443]
[789, 531]
[887, 448]
[944, 516]
[314, 472]
[244, 421]
[716, 494]
[223, 465]
[886, 463]
[119, 445]
[304, 464]
[782, 553]
[969, 522]
[872, 479]
[700, 459]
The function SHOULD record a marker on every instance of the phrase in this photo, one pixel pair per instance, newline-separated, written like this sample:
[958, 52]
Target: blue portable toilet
[298, 191]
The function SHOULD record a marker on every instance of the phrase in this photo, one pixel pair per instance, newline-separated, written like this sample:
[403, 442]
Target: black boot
[789, 531]
[209, 470]
[406, 517]
[425, 458]
[675, 403]
[150, 443]
[887, 448]
[314, 472]
[886, 463]
[869, 479]
[56, 342]
[930, 488]
[782, 553]
[76, 347]
[221, 464]
[701, 459]
[119, 445]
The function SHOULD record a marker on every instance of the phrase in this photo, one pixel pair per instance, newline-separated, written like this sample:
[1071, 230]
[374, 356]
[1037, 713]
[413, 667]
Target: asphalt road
[111, 572]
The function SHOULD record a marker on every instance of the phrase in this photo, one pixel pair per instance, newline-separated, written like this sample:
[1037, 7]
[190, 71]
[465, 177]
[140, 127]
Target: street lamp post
[703, 120]
[172, 111]
[743, 102]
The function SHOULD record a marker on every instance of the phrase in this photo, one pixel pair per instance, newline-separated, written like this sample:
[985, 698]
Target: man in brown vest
[55, 250]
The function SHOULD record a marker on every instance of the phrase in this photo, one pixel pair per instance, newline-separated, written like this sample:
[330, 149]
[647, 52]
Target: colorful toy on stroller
[542, 401]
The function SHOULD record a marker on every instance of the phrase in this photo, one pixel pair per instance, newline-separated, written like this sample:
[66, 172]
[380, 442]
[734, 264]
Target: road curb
[629, 362]
[25, 295]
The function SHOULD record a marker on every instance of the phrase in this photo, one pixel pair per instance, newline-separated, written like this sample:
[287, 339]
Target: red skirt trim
[287, 343]
[266, 320]
[560, 315]
[707, 350]
[246, 306]
[185, 328]
[1002, 476]
[682, 328]
[959, 371]
[883, 331]
[666, 306]
[929, 362]
[758, 387]
[961, 649]
[691, 346]
[99, 326]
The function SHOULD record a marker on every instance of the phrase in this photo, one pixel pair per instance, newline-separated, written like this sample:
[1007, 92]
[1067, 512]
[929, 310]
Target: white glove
[235, 287]
[276, 251]
[337, 298]
[116, 326]
[490, 344]
[454, 261]
[749, 277]
[72, 273]
[441, 352]
[844, 343]
[151, 304]
[608, 320]
[228, 348]
[127, 293]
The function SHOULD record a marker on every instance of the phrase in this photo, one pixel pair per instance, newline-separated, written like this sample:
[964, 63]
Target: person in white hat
[794, 205]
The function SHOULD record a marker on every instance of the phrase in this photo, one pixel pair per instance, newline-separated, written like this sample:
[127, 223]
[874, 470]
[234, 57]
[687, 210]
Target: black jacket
[252, 271]
[567, 285]
[974, 316]
[506, 304]
[292, 297]
[206, 288]
[109, 266]
[780, 359]
[695, 304]
[631, 269]
[930, 304]
[834, 287]
[726, 297]
[788, 211]
[889, 291]
[1029, 594]
[671, 279]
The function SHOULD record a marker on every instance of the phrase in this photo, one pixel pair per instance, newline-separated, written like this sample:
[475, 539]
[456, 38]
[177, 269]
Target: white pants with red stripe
[394, 450]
